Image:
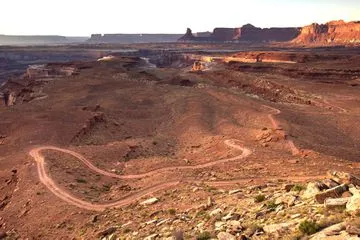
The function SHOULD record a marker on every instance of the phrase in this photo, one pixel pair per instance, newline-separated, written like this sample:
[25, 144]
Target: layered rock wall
[246, 33]
[331, 32]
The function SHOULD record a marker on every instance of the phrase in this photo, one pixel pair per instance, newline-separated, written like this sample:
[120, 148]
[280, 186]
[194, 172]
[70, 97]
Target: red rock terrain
[246, 33]
[334, 32]
[122, 149]
[331, 32]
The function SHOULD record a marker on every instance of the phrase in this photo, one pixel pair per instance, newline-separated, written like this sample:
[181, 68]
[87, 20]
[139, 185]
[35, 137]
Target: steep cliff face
[226, 34]
[252, 33]
[245, 33]
[331, 32]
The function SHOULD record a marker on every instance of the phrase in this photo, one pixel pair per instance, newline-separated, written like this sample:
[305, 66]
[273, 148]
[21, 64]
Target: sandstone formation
[337, 32]
[252, 33]
[331, 32]
[248, 33]
[49, 70]
[226, 34]
[197, 66]
[29, 86]
[189, 36]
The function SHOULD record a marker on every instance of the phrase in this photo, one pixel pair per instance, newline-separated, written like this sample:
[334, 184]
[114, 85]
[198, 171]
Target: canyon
[180, 141]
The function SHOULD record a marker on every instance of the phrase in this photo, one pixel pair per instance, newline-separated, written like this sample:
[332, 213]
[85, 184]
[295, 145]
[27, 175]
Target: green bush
[308, 227]
[271, 205]
[259, 198]
[298, 188]
[204, 236]
[81, 180]
[172, 211]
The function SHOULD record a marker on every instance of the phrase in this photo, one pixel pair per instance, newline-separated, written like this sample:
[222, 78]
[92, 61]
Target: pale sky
[83, 17]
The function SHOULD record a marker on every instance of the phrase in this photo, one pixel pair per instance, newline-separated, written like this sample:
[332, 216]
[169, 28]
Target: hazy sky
[83, 17]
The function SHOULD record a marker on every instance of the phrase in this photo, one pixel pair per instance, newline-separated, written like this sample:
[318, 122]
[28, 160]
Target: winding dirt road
[275, 124]
[56, 190]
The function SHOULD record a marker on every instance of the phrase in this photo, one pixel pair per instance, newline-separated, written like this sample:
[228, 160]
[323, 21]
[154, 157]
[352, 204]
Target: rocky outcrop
[338, 32]
[188, 36]
[246, 33]
[331, 32]
[49, 70]
[226, 34]
[197, 67]
[255, 34]
[9, 98]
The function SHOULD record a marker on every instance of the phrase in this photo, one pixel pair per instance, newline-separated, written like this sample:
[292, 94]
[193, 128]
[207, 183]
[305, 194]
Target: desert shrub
[172, 211]
[106, 187]
[331, 220]
[204, 236]
[259, 198]
[251, 228]
[308, 227]
[298, 188]
[271, 205]
[81, 180]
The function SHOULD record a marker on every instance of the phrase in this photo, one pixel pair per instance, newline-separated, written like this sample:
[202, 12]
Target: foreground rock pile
[324, 209]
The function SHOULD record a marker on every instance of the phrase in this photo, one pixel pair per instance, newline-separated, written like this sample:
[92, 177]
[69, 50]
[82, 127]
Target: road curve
[57, 191]
[275, 124]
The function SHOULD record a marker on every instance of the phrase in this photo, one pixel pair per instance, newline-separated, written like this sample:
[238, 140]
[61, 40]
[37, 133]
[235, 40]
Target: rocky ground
[327, 208]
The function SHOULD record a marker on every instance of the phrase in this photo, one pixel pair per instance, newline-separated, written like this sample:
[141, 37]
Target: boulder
[287, 199]
[330, 231]
[234, 226]
[288, 187]
[311, 190]
[215, 212]
[353, 230]
[149, 201]
[231, 216]
[336, 202]
[225, 236]
[335, 192]
[219, 226]
[353, 204]
[234, 191]
[334, 232]
[280, 227]
[330, 183]
[346, 178]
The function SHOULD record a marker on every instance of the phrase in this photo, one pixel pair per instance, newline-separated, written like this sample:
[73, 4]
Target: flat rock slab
[336, 202]
[149, 201]
[225, 236]
[335, 192]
